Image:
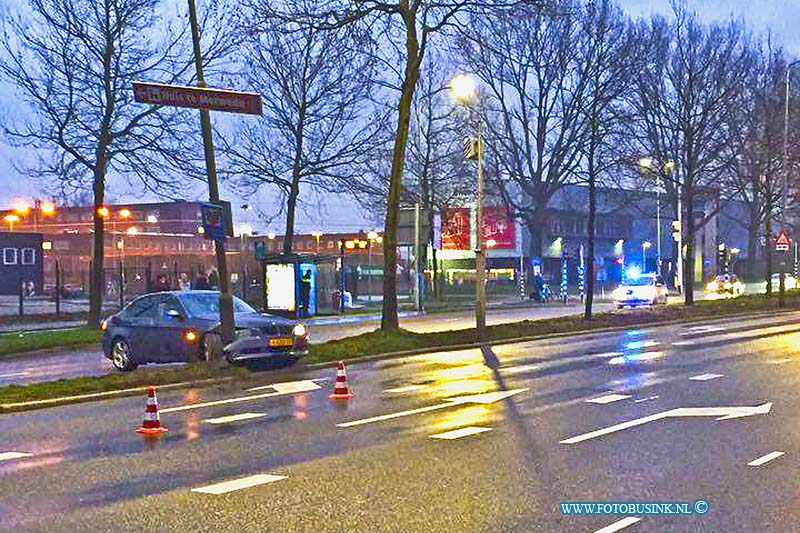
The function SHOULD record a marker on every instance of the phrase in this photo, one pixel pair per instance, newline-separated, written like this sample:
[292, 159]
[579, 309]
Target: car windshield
[638, 282]
[206, 304]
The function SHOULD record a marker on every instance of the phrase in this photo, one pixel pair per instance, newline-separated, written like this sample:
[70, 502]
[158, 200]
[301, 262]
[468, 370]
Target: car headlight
[299, 330]
[104, 324]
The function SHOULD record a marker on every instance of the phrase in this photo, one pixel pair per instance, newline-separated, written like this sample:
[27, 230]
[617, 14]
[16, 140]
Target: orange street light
[48, 209]
[133, 230]
[124, 213]
[21, 207]
[11, 219]
[103, 212]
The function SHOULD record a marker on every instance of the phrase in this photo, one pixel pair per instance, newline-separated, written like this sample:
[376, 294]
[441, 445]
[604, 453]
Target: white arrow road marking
[723, 413]
[407, 388]
[486, 398]
[619, 524]
[289, 388]
[234, 418]
[640, 400]
[705, 377]
[458, 433]
[765, 459]
[773, 362]
[7, 456]
[238, 484]
[609, 398]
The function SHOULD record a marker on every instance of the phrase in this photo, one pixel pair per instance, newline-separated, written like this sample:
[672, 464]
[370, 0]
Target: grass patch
[27, 341]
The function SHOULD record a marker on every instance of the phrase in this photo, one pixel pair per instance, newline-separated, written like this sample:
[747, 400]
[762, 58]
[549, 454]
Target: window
[9, 256]
[28, 256]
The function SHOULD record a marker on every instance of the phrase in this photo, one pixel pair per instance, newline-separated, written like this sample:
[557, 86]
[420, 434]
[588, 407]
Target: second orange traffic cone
[341, 390]
[151, 425]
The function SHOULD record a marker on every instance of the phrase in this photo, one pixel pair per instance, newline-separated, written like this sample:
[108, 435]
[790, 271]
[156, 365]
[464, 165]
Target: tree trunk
[291, 206]
[688, 265]
[752, 245]
[768, 249]
[589, 268]
[389, 319]
[96, 288]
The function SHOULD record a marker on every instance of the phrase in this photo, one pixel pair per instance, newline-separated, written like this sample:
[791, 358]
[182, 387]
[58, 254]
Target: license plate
[281, 342]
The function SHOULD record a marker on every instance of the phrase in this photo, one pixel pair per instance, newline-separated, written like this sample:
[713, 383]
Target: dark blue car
[177, 326]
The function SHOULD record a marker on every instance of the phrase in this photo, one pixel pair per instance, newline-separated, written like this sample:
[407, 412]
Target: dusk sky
[781, 17]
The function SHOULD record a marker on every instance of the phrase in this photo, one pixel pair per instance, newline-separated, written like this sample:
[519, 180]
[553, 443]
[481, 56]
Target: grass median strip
[368, 344]
[28, 341]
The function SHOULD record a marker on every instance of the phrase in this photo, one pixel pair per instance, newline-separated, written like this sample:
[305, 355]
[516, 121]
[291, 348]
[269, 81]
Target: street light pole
[225, 296]
[480, 257]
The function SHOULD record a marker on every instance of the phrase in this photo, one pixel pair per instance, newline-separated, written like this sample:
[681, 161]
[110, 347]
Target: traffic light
[676, 230]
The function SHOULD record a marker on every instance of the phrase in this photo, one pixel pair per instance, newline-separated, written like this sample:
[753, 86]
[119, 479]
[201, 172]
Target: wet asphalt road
[88, 470]
[70, 363]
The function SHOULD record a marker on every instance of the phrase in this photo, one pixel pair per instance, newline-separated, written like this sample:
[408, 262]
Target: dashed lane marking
[640, 400]
[238, 484]
[14, 375]
[609, 398]
[705, 377]
[458, 433]
[765, 459]
[234, 418]
[7, 456]
[619, 524]
[408, 388]
[683, 343]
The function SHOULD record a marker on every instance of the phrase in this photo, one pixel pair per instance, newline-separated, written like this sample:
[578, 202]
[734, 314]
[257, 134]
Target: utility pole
[480, 257]
[225, 296]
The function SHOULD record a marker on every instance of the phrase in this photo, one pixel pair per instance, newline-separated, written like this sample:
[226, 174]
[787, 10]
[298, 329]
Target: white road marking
[407, 388]
[7, 456]
[609, 398]
[486, 398]
[683, 343]
[289, 387]
[234, 418]
[309, 386]
[519, 369]
[607, 354]
[706, 377]
[238, 484]
[458, 433]
[723, 413]
[765, 459]
[781, 361]
[14, 375]
[619, 524]
[646, 399]
[702, 329]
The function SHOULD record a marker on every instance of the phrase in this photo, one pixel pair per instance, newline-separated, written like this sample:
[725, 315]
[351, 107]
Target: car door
[171, 329]
[148, 330]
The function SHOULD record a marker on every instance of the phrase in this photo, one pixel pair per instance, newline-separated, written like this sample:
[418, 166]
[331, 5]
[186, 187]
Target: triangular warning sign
[782, 239]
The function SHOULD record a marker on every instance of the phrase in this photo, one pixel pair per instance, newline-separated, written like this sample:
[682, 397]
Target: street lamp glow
[133, 230]
[21, 207]
[646, 162]
[271, 236]
[735, 251]
[316, 234]
[201, 230]
[11, 219]
[372, 235]
[124, 213]
[647, 245]
[48, 209]
[103, 211]
[463, 87]
[152, 219]
[669, 166]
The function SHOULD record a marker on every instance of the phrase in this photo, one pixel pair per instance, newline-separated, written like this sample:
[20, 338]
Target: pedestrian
[213, 279]
[201, 282]
[305, 294]
[162, 284]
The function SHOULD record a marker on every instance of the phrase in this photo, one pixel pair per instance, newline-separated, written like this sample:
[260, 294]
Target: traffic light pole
[225, 296]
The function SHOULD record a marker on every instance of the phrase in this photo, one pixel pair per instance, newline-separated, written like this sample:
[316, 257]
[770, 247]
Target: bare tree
[688, 88]
[536, 88]
[73, 63]
[412, 23]
[609, 48]
[318, 124]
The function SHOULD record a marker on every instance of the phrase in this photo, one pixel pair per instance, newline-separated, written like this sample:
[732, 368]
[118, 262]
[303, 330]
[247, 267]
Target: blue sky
[781, 17]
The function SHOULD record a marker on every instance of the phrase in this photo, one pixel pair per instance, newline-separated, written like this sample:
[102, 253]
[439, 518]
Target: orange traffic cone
[341, 390]
[151, 425]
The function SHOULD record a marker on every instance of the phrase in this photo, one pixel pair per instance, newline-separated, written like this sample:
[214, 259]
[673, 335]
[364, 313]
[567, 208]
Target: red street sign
[782, 242]
[197, 98]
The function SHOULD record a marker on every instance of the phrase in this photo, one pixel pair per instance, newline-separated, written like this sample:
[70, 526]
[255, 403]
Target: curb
[67, 400]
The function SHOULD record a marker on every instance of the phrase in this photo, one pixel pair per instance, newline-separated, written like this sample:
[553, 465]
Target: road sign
[782, 242]
[213, 217]
[197, 98]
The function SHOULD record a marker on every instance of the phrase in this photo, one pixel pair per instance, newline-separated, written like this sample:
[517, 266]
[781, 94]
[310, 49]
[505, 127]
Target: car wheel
[210, 347]
[121, 355]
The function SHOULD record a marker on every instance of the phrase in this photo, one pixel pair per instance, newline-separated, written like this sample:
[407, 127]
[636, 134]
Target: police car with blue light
[640, 289]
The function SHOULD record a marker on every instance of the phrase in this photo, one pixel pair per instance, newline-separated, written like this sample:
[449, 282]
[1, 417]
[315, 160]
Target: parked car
[725, 286]
[175, 326]
[645, 289]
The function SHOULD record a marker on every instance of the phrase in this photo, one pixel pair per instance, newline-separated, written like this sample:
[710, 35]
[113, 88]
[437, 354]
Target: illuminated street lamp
[48, 209]
[133, 230]
[317, 235]
[373, 237]
[21, 208]
[465, 90]
[124, 213]
[646, 245]
[11, 219]
[103, 212]
[152, 219]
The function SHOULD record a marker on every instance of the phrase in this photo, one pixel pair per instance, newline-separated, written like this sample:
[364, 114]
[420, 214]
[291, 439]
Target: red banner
[498, 225]
[456, 228]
